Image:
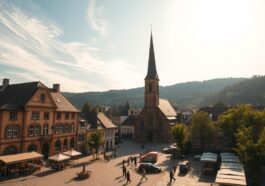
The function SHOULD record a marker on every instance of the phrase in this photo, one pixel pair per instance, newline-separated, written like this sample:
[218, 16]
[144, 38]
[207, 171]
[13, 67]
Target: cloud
[95, 19]
[29, 45]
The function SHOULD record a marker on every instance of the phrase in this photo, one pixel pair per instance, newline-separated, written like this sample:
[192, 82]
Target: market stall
[59, 161]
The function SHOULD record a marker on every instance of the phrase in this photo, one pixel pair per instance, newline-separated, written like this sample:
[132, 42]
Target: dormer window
[13, 116]
[42, 97]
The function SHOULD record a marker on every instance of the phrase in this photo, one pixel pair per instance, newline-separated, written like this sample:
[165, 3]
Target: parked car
[149, 168]
[150, 157]
[184, 167]
[170, 150]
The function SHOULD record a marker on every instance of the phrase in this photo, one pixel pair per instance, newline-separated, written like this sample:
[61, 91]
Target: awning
[59, 157]
[72, 153]
[209, 157]
[16, 158]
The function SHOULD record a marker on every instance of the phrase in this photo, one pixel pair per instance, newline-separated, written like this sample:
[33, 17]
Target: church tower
[151, 95]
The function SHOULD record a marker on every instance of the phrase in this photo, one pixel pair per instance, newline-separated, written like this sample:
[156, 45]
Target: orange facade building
[34, 117]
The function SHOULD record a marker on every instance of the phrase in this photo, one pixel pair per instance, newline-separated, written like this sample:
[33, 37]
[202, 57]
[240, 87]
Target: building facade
[157, 116]
[36, 118]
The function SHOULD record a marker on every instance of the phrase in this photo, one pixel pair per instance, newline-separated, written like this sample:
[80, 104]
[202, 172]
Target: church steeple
[151, 80]
[151, 71]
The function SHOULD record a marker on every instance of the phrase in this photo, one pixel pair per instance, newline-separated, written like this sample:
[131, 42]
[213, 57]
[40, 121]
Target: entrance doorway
[45, 150]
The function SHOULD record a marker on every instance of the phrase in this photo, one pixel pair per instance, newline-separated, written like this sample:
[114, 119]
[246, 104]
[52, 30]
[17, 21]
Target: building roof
[105, 121]
[130, 120]
[215, 111]
[166, 108]
[62, 103]
[15, 96]
[16, 158]
[151, 71]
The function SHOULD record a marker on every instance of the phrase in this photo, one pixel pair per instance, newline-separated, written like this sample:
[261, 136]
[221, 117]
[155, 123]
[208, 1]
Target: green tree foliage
[202, 129]
[96, 141]
[180, 135]
[244, 127]
[87, 107]
[242, 115]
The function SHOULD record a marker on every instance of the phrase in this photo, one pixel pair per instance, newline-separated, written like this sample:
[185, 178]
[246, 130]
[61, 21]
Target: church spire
[151, 72]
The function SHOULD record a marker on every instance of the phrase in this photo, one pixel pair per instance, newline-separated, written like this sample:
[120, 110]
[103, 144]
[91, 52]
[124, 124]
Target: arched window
[10, 150]
[32, 147]
[150, 119]
[150, 87]
[57, 145]
[34, 130]
[72, 143]
[65, 144]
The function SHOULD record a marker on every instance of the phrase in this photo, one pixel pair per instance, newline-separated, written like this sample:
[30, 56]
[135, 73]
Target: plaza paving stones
[105, 173]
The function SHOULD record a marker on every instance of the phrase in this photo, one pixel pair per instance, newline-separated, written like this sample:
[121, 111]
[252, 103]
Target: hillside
[190, 94]
[249, 91]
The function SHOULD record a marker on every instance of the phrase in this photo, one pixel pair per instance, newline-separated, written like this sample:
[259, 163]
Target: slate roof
[151, 72]
[15, 96]
[166, 108]
[62, 103]
[130, 120]
[105, 121]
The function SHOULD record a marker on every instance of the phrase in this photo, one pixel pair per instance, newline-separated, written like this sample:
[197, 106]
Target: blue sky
[91, 45]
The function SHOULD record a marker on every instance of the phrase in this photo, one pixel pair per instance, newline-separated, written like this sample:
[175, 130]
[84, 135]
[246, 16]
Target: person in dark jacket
[171, 176]
[128, 176]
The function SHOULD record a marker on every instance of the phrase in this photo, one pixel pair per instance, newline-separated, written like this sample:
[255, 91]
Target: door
[45, 150]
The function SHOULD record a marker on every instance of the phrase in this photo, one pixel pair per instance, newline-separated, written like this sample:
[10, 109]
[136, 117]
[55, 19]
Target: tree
[244, 127]
[202, 129]
[180, 135]
[96, 141]
[87, 107]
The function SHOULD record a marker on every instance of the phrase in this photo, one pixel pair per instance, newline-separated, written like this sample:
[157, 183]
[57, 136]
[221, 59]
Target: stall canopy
[72, 153]
[231, 171]
[21, 157]
[59, 157]
[209, 157]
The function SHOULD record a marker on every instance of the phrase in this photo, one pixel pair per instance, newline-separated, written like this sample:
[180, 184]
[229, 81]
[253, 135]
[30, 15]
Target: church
[157, 116]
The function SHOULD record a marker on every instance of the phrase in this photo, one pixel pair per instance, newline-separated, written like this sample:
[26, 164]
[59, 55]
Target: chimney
[56, 87]
[5, 83]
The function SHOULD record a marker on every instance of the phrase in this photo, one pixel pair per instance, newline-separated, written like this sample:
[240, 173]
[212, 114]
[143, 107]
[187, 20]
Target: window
[150, 119]
[12, 131]
[35, 116]
[81, 137]
[73, 115]
[72, 128]
[42, 97]
[57, 145]
[58, 115]
[150, 87]
[46, 116]
[45, 129]
[34, 130]
[13, 116]
[67, 115]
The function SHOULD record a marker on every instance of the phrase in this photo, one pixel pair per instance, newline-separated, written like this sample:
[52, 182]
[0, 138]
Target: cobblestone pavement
[105, 173]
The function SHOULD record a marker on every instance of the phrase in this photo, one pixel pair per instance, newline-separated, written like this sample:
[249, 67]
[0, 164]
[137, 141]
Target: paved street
[110, 173]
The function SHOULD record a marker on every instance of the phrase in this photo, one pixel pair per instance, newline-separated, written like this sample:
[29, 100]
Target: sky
[98, 45]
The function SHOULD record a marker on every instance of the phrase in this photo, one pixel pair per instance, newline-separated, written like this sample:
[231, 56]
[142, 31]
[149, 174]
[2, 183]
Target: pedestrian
[115, 155]
[171, 176]
[128, 161]
[143, 174]
[124, 170]
[174, 168]
[123, 162]
[135, 161]
[128, 177]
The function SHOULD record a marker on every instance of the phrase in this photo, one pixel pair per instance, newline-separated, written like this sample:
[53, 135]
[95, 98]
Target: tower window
[150, 87]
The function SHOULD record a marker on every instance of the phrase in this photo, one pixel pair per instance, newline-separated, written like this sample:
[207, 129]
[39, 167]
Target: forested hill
[188, 95]
[249, 91]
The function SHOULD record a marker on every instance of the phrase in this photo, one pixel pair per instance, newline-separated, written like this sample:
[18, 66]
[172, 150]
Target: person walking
[171, 176]
[135, 161]
[144, 174]
[128, 176]
[124, 170]
[174, 169]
